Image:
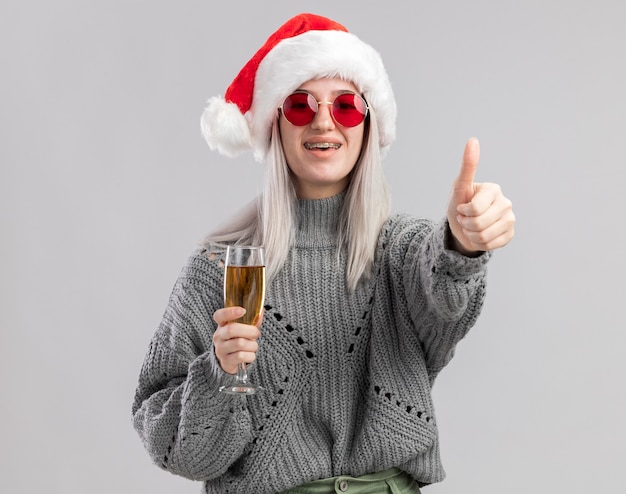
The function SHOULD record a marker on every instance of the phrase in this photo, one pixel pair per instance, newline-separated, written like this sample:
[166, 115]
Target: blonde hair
[270, 219]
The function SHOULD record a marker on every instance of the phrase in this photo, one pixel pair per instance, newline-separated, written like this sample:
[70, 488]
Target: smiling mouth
[321, 145]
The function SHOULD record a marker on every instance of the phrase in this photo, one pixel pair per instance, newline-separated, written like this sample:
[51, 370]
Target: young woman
[363, 308]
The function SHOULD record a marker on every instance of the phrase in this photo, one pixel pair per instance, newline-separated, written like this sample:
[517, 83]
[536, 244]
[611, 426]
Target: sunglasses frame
[331, 103]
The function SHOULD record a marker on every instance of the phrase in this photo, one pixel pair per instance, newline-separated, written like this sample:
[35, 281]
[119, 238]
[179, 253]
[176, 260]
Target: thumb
[469, 164]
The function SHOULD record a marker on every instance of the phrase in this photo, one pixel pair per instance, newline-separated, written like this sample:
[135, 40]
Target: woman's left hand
[480, 216]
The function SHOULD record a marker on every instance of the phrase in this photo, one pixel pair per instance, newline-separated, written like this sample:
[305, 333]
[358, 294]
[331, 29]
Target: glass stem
[242, 373]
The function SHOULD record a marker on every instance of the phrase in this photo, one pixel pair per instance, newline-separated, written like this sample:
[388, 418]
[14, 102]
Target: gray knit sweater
[347, 376]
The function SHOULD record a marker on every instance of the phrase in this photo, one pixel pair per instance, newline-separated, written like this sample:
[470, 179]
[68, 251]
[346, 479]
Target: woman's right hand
[234, 342]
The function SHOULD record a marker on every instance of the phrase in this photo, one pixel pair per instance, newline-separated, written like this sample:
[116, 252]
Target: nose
[323, 118]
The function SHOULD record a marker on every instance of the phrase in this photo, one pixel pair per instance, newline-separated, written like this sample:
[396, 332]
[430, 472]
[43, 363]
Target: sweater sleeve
[443, 290]
[188, 427]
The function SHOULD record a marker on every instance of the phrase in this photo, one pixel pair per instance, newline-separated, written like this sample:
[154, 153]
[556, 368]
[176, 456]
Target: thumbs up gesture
[481, 218]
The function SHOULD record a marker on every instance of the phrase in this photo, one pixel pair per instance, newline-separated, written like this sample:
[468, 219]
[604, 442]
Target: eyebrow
[335, 92]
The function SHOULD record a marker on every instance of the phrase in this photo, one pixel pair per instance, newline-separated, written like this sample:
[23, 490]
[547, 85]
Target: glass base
[241, 389]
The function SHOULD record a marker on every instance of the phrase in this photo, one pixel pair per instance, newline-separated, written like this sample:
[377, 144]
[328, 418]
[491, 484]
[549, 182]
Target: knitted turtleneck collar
[317, 221]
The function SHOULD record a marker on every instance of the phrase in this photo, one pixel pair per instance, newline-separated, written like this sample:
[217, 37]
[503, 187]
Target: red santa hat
[306, 47]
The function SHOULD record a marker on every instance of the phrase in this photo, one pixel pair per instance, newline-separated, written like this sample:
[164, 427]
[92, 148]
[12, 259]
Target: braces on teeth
[321, 145]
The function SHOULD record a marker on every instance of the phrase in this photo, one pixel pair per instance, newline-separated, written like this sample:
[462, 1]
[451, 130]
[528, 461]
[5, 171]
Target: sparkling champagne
[244, 286]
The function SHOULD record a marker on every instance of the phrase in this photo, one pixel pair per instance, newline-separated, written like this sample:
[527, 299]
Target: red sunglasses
[348, 109]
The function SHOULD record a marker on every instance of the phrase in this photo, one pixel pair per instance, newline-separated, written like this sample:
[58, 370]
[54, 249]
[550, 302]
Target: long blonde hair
[270, 219]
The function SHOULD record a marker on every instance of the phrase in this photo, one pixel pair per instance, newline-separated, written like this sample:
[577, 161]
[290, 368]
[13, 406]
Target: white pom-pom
[225, 128]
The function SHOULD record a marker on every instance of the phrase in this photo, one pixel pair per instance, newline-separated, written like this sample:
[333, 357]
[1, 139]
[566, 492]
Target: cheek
[357, 140]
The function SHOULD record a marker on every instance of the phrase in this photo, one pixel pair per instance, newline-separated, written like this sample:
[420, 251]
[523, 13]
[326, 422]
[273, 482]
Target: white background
[106, 185]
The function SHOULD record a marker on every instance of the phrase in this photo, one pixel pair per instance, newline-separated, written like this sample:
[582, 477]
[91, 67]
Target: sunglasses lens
[299, 108]
[349, 109]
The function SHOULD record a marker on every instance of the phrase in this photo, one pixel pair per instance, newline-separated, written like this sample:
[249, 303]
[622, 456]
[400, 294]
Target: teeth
[321, 145]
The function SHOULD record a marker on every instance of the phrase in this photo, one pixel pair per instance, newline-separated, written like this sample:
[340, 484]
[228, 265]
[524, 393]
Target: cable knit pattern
[347, 376]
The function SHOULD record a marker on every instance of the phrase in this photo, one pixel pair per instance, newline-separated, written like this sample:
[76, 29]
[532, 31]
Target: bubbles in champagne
[244, 286]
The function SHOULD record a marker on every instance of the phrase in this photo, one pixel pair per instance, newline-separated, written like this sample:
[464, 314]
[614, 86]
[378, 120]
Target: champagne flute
[244, 286]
